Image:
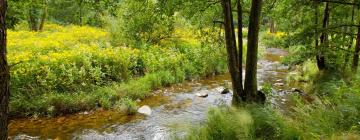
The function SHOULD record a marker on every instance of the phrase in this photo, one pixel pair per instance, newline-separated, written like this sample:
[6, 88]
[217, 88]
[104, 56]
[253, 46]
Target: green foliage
[304, 75]
[326, 117]
[274, 40]
[127, 106]
[140, 22]
[250, 122]
[298, 54]
[80, 12]
[71, 69]
[224, 123]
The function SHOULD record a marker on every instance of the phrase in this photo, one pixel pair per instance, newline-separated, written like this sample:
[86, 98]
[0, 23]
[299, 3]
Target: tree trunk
[316, 4]
[272, 26]
[233, 62]
[4, 75]
[240, 48]
[33, 16]
[32, 20]
[252, 51]
[81, 12]
[323, 39]
[356, 53]
[347, 54]
[43, 16]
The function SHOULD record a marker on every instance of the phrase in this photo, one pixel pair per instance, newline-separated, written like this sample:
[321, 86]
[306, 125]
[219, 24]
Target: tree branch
[218, 21]
[340, 2]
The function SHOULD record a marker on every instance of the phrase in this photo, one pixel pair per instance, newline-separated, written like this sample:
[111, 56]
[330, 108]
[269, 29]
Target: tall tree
[250, 86]
[355, 63]
[318, 55]
[349, 46]
[4, 74]
[33, 21]
[43, 16]
[233, 56]
[272, 25]
[323, 38]
[240, 47]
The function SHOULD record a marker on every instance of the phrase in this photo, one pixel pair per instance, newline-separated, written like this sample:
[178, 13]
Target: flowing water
[175, 107]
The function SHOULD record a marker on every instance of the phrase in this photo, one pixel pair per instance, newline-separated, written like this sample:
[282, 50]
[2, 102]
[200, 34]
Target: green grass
[161, 74]
[331, 111]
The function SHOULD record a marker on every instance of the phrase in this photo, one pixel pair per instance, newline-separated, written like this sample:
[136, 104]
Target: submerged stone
[202, 94]
[146, 110]
[279, 84]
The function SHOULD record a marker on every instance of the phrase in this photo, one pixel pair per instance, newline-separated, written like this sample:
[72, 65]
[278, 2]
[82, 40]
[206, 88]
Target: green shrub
[273, 40]
[127, 106]
[75, 69]
[251, 122]
[298, 54]
[223, 123]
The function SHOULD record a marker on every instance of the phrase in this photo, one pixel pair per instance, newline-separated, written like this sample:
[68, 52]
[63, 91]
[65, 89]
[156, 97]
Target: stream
[174, 109]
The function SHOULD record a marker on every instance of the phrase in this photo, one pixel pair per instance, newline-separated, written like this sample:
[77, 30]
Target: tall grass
[329, 112]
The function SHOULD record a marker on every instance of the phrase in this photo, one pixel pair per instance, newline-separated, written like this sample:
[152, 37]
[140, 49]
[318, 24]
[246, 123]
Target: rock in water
[297, 90]
[225, 91]
[146, 110]
[202, 94]
[279, 84]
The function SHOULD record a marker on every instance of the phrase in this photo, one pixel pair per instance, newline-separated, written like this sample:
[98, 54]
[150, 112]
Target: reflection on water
[175, 106]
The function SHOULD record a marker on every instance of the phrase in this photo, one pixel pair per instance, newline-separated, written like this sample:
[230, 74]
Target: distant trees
[326, 28]
[4, 74]
[34, 14]
[80, 12]
[355, 63]
[323, 38]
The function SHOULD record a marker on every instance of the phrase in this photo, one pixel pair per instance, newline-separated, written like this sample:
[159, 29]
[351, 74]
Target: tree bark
[323, 39]
[240, 48]
[233, 58]
[43, 16]
[316, 4]
[252, 51]
[4, 74]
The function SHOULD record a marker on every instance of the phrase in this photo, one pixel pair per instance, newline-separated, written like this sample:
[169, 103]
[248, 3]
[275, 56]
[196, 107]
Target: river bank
[170, 106]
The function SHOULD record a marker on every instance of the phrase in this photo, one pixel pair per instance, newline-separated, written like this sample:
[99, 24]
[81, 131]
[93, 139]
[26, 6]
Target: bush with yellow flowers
[274, 40]
[73, 68]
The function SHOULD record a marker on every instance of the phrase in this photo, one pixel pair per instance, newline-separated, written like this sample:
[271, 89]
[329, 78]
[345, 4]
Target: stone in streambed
[146, 110]
[225, 91]
[279, 84]
[297, 90]
[202, 94]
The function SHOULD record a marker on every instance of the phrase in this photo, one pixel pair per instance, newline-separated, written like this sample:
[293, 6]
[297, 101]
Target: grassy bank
[331, 112]
[329, 109]
[70, 69]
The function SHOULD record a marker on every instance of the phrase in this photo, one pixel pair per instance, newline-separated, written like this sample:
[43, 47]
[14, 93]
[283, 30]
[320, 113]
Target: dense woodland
[62, 57]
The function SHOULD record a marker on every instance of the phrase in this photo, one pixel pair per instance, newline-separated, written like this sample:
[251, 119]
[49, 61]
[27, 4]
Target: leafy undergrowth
[274, 40]
[69, 69]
